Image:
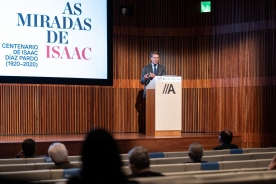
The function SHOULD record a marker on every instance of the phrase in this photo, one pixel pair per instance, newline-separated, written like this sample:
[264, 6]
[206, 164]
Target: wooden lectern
[164, 106]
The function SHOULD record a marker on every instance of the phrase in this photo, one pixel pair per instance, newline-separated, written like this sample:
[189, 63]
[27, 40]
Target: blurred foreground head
[101, 159]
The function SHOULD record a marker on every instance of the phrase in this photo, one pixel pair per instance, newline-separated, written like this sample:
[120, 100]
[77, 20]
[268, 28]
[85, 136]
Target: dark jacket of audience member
[59, 155]
[195, 153]
[139, 163]
[101, 161]
[225, 139]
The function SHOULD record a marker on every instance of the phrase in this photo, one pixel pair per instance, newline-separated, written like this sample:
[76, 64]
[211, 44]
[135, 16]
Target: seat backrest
[56, 174]
[177, 154]
[263, 155]
[48, 159]
[16, 167]
[272, 149]
[210, 166]
[239, 164]
[126, 170]
[74, 158]
[168, 168]
[124, 156]
[263, 162]
[69, 173]
[172, 160]
[193, 166]
[226, 151]
[41, 166]
[32, 175]
[35, 160]
[233, 157]
[213, 152]
[256, 150]
[212, 158]
[12, 161]
[236, 151]
[157, 155]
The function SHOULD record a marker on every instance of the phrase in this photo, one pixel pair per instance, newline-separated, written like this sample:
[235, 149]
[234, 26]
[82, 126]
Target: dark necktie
[154, 71]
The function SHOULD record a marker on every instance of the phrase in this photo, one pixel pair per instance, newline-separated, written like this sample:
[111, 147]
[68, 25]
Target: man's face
[155, 59]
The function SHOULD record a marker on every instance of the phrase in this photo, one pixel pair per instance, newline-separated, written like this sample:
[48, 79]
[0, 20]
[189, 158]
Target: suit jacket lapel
[150, 67]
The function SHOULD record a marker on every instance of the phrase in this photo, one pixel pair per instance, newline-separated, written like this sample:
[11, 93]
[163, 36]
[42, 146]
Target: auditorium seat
[32, 175]
[173, 160]
[263, 155]
[232, 157]
[69, 173]
[192, 166]
[239, 164]
[12, 161]
[236, 151]
[36, 160]
[17, 167]
[210, 158]
[210, 166]
[74, 158]
[257, 150]
[258, 177]
[157, 155]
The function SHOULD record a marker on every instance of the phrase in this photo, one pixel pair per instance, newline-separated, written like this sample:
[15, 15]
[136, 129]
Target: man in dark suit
[225, 139]
[152, 70]
[195, 153]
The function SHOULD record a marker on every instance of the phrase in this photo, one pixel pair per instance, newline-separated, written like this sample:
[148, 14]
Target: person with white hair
[59, 155]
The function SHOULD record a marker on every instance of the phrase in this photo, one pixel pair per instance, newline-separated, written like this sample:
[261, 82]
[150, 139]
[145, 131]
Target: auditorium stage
[10, 145]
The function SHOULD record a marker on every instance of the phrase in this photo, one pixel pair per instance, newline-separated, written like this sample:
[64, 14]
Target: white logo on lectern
[168, 88]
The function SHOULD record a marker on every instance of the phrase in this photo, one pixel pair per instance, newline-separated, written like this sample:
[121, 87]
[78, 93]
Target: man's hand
[150, 75]
[20, 154]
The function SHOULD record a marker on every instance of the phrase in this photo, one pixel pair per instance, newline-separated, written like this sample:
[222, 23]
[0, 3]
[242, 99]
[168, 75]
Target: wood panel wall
[226, 59]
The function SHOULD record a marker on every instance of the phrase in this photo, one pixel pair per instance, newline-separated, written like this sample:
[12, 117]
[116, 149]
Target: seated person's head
[225, 137]
[138, 159]
[58, 153]
[101, 161]
[195, 151]
[28, 147]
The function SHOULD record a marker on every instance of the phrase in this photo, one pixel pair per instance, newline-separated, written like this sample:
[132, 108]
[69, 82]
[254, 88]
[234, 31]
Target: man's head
[195, 151]
[154, 57]
[138, 159]
[225, 137]
[58, 153]
[28, 147]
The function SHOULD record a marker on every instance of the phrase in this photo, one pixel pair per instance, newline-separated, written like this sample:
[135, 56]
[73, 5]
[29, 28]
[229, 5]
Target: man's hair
[28, 147]
[195, 151]
[153, 52]
[139, 157]
[58, 152]
[226, 136]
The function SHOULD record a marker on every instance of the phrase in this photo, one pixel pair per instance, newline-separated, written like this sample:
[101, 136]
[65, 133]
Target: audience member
[139, 163]
[59, 155]
[28, 149]
[101, 161]
[272, 164]
[195, 153]
[225, 139]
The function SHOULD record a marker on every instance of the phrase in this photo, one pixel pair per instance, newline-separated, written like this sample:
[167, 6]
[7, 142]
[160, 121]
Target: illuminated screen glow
[56, 41]
[205, 6]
